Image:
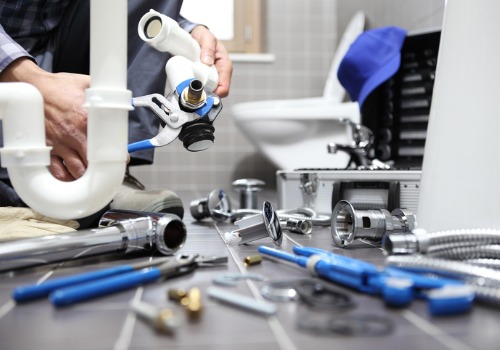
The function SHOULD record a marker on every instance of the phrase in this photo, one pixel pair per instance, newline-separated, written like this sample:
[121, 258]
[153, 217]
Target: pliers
[70, 290]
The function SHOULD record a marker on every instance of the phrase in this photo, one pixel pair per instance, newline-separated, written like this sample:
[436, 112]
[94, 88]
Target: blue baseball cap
[372, 58]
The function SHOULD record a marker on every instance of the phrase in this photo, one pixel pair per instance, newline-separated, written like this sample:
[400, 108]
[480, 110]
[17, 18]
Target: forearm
[22, 69]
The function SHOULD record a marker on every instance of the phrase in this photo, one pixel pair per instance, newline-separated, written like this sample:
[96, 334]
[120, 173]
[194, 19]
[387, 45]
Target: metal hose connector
[423, 242]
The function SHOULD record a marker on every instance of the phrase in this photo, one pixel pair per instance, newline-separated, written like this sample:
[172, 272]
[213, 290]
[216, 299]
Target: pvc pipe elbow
[165, 35]
[68, 200]
[26, 156]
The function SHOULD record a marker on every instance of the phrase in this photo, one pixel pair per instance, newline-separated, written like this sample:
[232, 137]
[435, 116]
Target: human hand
[213, 52]
[65, 118]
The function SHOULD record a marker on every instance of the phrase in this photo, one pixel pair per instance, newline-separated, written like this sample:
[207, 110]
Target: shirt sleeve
[10, 50]
[185, 24]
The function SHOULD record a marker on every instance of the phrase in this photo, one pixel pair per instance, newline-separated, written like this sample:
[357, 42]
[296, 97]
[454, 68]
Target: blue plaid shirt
[29, 20]
[26, 18]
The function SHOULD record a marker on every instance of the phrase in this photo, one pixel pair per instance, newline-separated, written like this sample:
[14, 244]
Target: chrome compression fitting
[251, 228]
[248, 190]
[348, 224]
[120, 231]
[302, 226]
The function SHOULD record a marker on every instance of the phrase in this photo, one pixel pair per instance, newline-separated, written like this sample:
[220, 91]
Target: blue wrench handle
[35, 291]
[140, 145]
[85, 291]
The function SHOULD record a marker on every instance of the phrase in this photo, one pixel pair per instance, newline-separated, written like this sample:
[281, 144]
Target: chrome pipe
[119, 232]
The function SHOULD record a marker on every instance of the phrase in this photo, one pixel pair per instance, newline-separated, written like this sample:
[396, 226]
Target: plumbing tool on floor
[73, 289]
[121, 231]
[398, 288]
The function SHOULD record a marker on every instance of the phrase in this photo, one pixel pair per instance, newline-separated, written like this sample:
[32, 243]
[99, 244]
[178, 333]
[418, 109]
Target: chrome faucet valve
[257, 226]
[248, 189]
[216, 206]
[348, 223]
[296, 225]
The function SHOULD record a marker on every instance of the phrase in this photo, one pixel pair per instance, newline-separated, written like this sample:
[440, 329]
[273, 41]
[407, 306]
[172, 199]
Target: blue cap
[372, 58]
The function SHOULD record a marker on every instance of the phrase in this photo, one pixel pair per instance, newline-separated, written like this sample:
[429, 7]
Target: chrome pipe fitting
[119, 232]
[248, 190]
[167, 231]
[216, 206]
[296, 225]
[348, 224]
[193, 97]
[251, 228]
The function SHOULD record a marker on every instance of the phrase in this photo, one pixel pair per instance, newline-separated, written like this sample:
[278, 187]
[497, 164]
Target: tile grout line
[434, 332]
[125, 337]
[282, 338]
[8, 306]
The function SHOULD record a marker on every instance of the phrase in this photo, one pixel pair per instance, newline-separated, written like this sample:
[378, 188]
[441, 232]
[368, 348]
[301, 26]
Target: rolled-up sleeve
[9, 50]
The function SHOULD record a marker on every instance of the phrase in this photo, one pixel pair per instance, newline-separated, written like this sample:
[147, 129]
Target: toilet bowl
[294, 134]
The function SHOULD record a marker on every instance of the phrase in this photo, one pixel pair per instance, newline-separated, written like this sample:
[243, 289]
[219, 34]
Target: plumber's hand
[65, 118]
[214, 53]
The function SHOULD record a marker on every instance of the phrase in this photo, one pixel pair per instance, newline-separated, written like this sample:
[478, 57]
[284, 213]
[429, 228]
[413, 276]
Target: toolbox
[321, 189]
[397, 112]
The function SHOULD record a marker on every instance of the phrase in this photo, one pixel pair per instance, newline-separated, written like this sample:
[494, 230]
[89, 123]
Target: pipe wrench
[175, 113]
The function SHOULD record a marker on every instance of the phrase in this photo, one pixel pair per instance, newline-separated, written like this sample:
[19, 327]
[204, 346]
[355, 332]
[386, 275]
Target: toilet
[294, 133]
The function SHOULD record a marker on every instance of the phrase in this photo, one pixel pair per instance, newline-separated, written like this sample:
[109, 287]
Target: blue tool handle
[80, 292]
[35, 291]
[279, 254]
[140, 145]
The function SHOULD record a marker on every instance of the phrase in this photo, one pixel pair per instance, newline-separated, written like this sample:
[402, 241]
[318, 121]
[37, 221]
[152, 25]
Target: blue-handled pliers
[396, 286]
[173, 116]
[70, 290]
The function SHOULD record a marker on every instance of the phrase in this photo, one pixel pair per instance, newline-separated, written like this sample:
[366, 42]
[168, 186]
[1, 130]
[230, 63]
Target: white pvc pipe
[460, 187]
[165, 35]
[25, 153]
[179, 69]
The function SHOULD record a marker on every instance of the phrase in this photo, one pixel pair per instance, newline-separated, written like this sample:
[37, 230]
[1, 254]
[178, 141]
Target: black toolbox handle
[392, 187]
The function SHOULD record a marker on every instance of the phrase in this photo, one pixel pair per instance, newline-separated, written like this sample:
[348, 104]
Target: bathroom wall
[302, 36]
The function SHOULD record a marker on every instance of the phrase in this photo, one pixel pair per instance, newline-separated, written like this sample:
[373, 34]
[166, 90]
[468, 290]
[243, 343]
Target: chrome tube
[126, 232]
